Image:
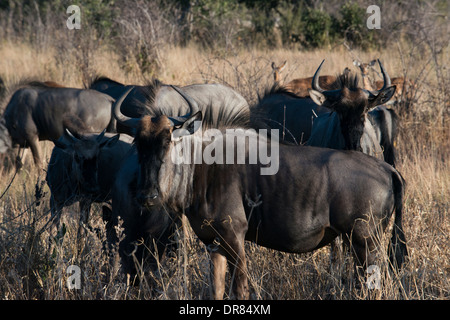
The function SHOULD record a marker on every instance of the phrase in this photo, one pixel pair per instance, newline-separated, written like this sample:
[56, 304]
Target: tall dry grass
[33, 265]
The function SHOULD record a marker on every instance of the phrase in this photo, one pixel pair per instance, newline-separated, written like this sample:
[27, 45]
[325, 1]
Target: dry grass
[33, 265]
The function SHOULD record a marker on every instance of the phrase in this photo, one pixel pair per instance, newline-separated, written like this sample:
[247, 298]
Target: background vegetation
[232, 42]
[140, 30]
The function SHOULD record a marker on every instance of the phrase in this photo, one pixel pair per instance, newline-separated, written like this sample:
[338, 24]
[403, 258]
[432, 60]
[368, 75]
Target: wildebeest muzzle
[148, 199]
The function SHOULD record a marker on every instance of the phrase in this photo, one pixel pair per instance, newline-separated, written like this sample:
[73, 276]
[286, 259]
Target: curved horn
[386, 82]
[70, 136]
[386, 78]
[331, 94]
[123, 119]
[315, 81]
[193, 105]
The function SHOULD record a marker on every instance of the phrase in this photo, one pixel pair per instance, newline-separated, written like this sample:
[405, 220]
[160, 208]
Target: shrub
[316, 25]
[353, 23]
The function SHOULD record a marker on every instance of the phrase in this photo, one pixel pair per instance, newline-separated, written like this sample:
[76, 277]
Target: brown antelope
[301, 86]
[277, 71]
[404, 88]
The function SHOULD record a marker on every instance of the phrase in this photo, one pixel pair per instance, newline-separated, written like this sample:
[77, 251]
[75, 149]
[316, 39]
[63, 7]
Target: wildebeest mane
[259, 111]
[98, 78]
[26, 82]
[148, 93]
[220, 118]
[276, 88]
[33, 83]
[349, 81]
[226, 118]
[43, 84]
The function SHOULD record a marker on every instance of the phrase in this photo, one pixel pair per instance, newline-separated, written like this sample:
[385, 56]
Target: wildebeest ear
[110, 142]
[383, 97]
[188, 127]
[60, 144]
[317, 97]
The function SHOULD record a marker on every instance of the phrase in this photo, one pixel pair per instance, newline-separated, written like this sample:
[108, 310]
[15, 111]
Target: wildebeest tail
[397, 246]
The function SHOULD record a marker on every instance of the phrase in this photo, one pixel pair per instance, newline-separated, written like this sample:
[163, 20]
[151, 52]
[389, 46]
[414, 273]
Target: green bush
[291, 23]
[213, 24]
[315, 26]
[98, 15]
[353, 23]
[216, 23]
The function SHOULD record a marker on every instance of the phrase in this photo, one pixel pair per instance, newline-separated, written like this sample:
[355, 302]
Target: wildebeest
[384, 120]
[212, 96]
[141, 231]
[281, 109]
[327, 133]
[82, 168]
[138, 221]
[348, 126]
[37, 113]
[316, 195]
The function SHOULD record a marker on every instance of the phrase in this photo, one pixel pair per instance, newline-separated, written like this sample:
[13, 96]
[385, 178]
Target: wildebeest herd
[115, 143]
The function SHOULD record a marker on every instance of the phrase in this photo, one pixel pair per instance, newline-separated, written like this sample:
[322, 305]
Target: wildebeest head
[85, 149]
[351, 103]
[5, 137]
[153, 139]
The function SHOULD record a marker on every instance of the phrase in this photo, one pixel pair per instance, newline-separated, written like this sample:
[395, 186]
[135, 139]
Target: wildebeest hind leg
[364, 250]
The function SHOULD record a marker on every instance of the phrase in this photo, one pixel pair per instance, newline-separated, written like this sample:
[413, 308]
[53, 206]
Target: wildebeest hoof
[39, 192]
[19, 163]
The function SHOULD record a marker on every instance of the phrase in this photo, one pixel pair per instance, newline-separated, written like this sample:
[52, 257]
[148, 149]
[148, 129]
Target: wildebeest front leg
[336, 251]
[238, 268]
[232, 247]
[36, 151]
[21, 154]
